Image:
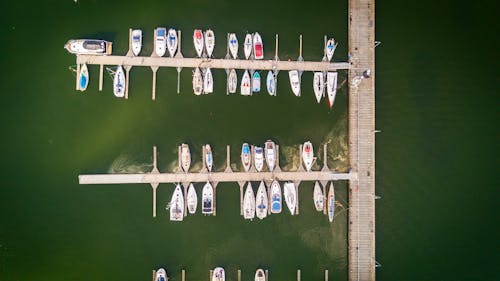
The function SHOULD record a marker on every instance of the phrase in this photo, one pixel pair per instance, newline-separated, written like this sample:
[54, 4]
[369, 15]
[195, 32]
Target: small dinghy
[258, 158]
[275, 197]
[308, 155]
[270, 154]
[119, 83]
[177, 205]
[172, 42]
[89, 47]
[208, 82]
[248, 46]
[192, 199]
[331, 202]
[258, 48]
[209, 161]
[161, 275]
[331, 87]
[83, 78]
[290, 196]
[136, 41]
[197, 82]
[185, 157]
[294, 81]
[209, 42]
[249, 203]
[233, 45]
[261, 201]
[218, 274]
[232, 81]
[271, 83]
[318, 85]
[207, 199]
[245, 84]
[160, 41]
[330, 48]
[259, 275]
[246, 157]
[256, 82]
[198, 41]
[318, 197]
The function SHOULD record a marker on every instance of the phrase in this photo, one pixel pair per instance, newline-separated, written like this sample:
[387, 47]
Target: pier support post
[77, 75]
[186, 186]
[277, 167]
[298, 274]
[210, 274]
[242, 185]
[297, 201]
[228, 159]
[239, 274]
[154, 186]
[127, 76]
[215, 199]
[326, 274]
[101, 70]
[325, 157]
[301, 167]
[276, 49]
[325, 198]
[154, 274]
[129, 53]
[183, 275]
[204, 168]
[154, 69]
[267, 275]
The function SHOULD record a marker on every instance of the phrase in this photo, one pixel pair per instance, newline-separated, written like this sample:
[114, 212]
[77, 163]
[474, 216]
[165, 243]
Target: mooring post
[154, 69]
[154, 275]
[101, 70]
[228, 158]
[267, 275]
[77, 76]
[127, 74]
[298, 274]
[276, 49]
[239, 274]
[326, 274]
[210, 275]
[215, 199]
[129, 52]
[183, 275]
[154, 186]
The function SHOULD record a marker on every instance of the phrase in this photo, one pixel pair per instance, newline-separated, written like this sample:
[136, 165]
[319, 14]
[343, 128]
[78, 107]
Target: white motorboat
[233, 45]
[248, 46]
[245, 84]
[318, 85]
[290, 196]
[330, 48]
[256, 82]
[258, 158]
[89, 47]
[209, 160]
[246, 156]
[331, 202]
[232, 81]
[271, 83]
[185, 157]
[270, 154]
[275, 197]
[259, 275]
[83, 78]
[208, 82]
[119, 82]
[197, 82]
[218, 274]
[294, 81]
[136, 41]
[160, 41]
[198, 41]
[331, 87]
[172, 42]
[209, 42]
[258, 48]
[207, 199]
[318, 197]
[161, 275]
[261, 201]
[249, 203]
[192, 199]
[308, 155]
[177, 205]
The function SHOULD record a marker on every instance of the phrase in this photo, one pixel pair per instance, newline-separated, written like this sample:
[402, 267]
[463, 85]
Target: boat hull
[276, 200]
[119, 83]
[258, 158]
[89, 47]
[207, 199]
[249, 203]
[290, 196]
[233, 45]
[270, 154]
[218, 274]
[83, 78]
[331, 87]
[256, 82]
[271, 83]
[318, 197]
[185, 157]
[232, 81]
[192, 199]
[331, 202]
[197, 82]
[177, 205]
[160, 41]
[245, 88]
[294, 77]
[208, 82]
[308, 155]
[246, 156]
[136, 41]
[209, 42]
[172, 42]
[318, 85]
[258, 48]
[248, 46]
[261, 202]
[209, 160]
[198, 42]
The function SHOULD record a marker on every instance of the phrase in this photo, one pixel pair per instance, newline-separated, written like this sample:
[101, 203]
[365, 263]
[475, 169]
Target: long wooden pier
[361, 239]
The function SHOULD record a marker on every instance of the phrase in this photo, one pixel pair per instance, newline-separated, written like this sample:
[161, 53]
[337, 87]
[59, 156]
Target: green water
[436, 160]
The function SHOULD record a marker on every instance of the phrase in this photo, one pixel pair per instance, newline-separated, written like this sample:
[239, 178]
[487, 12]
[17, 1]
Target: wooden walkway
[362, 140]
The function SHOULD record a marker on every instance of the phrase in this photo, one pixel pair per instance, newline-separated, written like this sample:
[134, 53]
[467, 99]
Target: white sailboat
[258, 158]
[245, 84]
[259, 275]
[318, 197]
[246, 156]
[177, 205]
[331, 202]
[83, 78]
[136, 41]
[308, 155]
[271, 83]
[89, 47]
[249, 203]
[261, 201]
[218, 274]
[294, 81]
[318, 85]
[248, 46]
[270, 154]
[209, 160]
[161, 275]
[276, 197]
[233, 45]
[290, 196]
[207, 199]
[330, 48]
[232, 81]
[172, 42]
[258, 47]
[119, 83]
[198, 41]
[331, 87]
[208, 82]
[185, 157]
[256, 82]
[209, 42]
[197, 82]
[192, 199]
[160, 41]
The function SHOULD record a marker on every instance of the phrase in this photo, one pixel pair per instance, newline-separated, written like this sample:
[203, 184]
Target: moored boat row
[218, 274]
[176, 203]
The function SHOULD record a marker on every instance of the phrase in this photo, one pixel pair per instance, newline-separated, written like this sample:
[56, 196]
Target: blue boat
[83, 78]
[275, 197]
[246, 157]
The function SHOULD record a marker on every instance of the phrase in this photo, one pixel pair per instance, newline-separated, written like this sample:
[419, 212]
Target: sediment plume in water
[125, 164]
